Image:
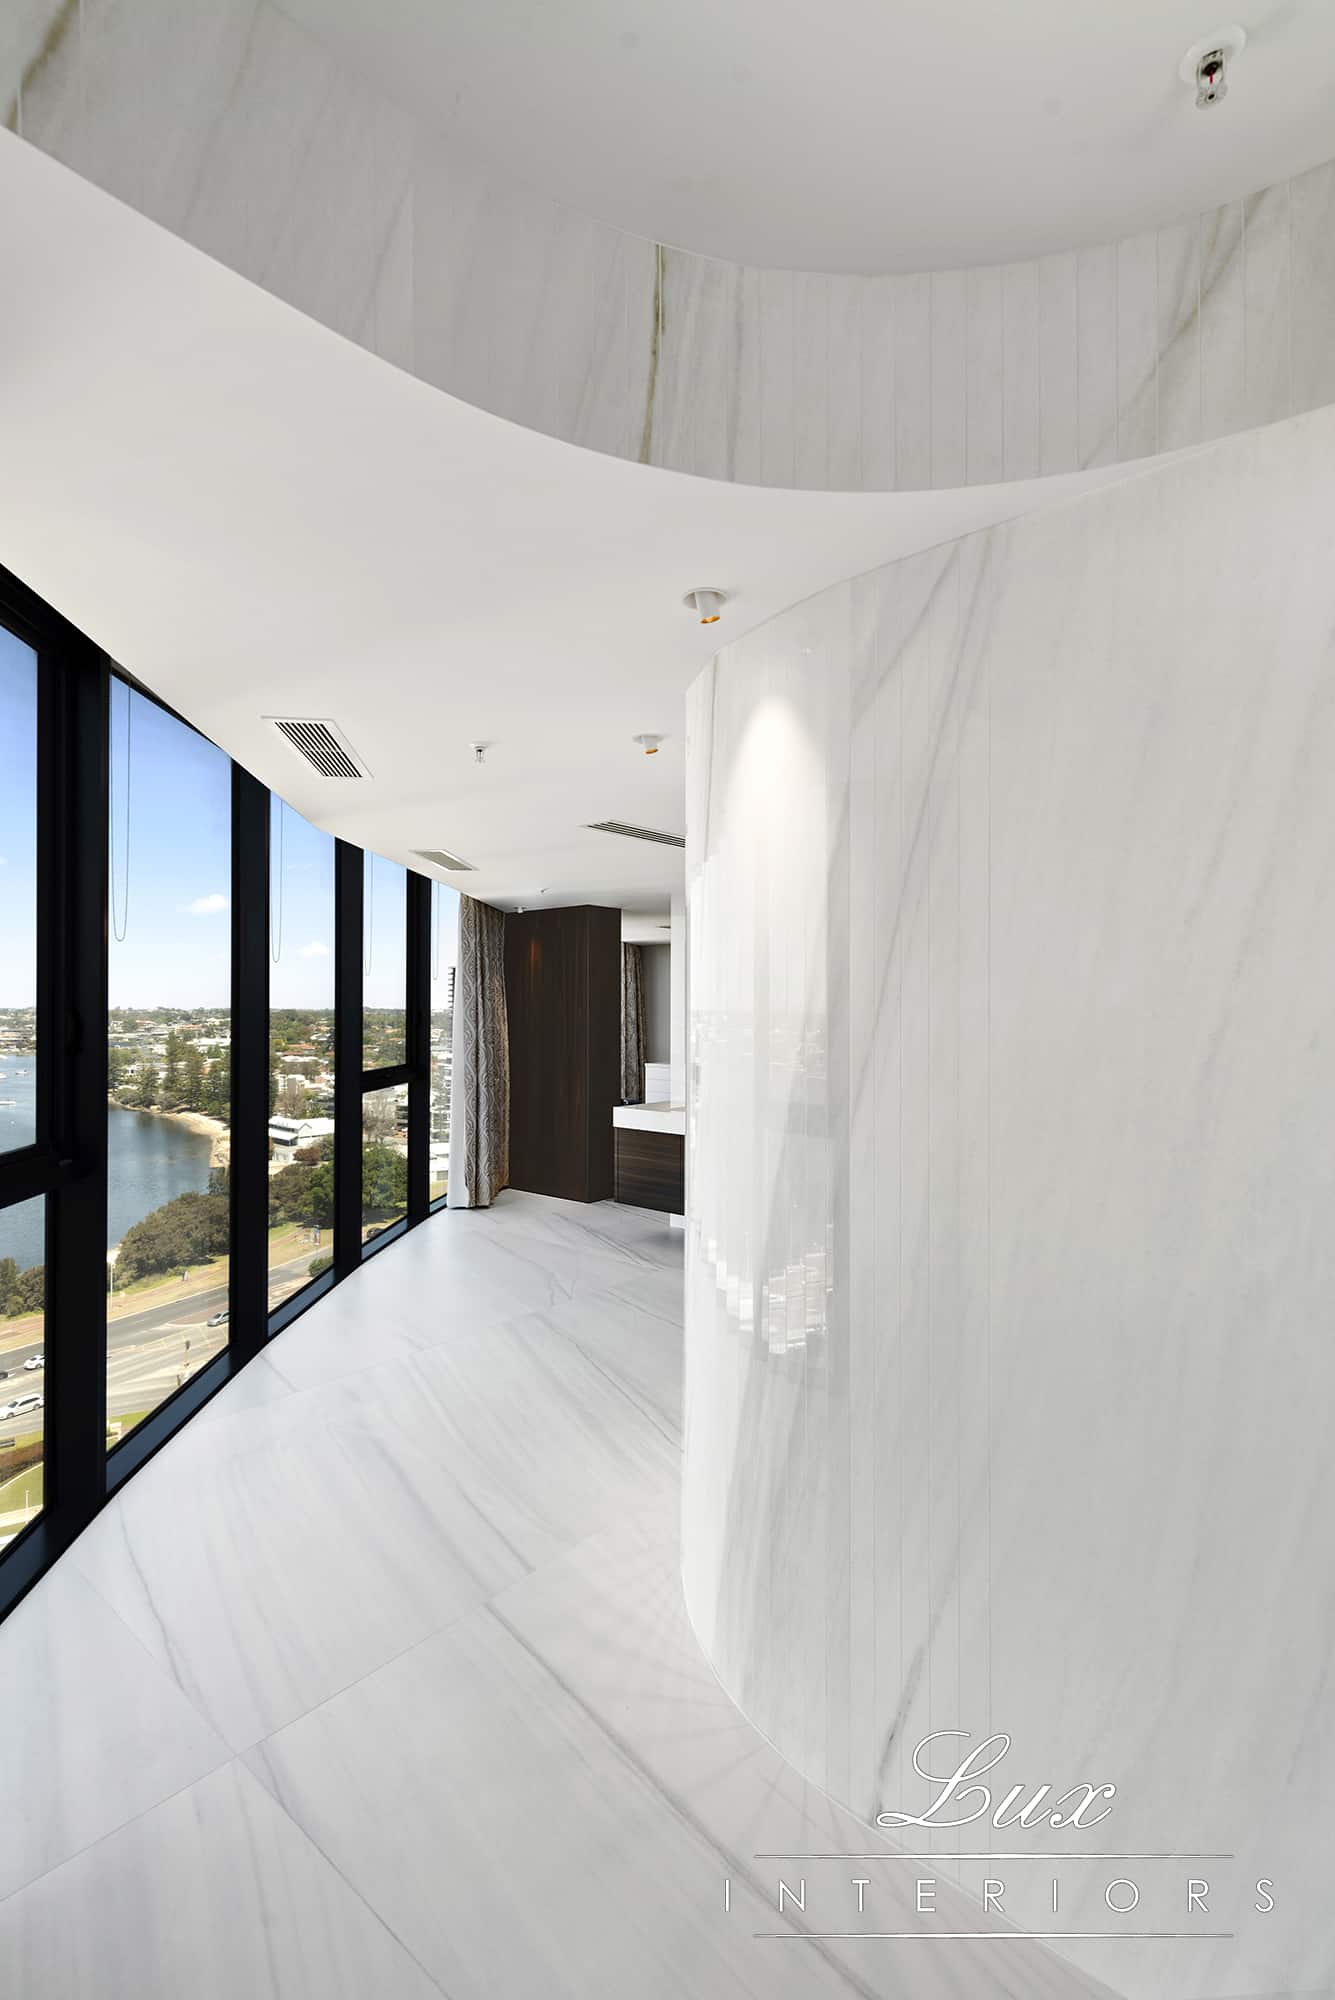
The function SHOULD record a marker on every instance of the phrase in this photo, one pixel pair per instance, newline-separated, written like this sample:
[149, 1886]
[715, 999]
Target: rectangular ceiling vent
[636, 832]
[444, 860]
[321, 744]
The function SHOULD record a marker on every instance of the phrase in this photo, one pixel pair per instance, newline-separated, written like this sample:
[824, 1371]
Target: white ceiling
[257, 517]
[858, 134]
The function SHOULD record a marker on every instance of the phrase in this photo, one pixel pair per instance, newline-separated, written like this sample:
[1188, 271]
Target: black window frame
[68, 1163]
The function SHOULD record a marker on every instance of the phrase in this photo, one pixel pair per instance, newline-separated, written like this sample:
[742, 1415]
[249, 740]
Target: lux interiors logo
[812, 1887]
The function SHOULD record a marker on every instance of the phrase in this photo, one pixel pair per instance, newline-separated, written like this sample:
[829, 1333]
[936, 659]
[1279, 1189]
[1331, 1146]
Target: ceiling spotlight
[1205, 65]
[649, 744]
[706, 604]
[479, 751]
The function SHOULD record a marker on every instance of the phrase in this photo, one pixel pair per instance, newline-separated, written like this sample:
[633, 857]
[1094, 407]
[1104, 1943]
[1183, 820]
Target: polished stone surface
[1010, 1267]
[236, 128]
[378, 1680]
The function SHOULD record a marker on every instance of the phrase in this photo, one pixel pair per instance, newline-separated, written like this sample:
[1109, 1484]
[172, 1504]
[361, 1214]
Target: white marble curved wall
[234, 127]
[1010, 1266]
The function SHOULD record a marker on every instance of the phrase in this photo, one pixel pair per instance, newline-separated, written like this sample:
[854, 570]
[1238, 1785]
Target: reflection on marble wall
[1010, 1266]
[234, 127]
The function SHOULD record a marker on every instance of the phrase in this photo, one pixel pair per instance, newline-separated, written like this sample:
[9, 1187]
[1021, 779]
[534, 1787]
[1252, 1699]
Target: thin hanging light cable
[119, 928]
[276, 902]
[368, 939]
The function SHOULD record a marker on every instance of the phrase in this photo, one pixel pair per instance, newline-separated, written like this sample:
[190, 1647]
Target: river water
[148, 1160]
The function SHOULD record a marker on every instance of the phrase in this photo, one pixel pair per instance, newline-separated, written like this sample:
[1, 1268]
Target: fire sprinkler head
[1205, 65]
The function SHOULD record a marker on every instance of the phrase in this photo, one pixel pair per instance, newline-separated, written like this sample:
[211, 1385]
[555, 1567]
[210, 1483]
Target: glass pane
[384, 1159]
[22, 1363]
[18, 892]
[444, 952]
[169, 1046]
[384, 953]
[301, 1052]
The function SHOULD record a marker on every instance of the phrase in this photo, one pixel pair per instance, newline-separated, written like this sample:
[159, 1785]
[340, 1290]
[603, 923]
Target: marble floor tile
[432, 1597]
[214, 1895]
[97, 1731]
[264, 1579]
[550, 1797]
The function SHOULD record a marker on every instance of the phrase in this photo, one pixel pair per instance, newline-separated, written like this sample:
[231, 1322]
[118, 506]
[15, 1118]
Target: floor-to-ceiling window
[385, 963]
[22, 1222]
[301, 1052]
[444, 955]
[384, 1045]
[169, 1038]
[170, 931]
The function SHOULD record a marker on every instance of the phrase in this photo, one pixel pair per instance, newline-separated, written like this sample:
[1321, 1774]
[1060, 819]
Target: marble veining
[1012, 920]
[378, 1680]
[235, 127]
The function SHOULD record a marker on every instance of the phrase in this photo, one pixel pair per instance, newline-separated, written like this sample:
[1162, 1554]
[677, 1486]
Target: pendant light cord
[368, 941]
[276, 901]
[120, 925]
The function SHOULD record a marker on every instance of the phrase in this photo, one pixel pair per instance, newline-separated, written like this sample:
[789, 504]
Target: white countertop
[651, 1117]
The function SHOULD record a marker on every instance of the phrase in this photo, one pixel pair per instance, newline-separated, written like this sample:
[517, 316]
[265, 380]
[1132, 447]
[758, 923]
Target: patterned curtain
[480, 1092]
[632, 1024]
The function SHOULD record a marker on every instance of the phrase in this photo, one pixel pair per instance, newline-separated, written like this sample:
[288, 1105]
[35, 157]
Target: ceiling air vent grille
[444, 860]
[321, 744]
[636, 832]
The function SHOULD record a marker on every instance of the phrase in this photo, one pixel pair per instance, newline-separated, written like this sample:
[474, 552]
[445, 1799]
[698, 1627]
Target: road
[149, 1353]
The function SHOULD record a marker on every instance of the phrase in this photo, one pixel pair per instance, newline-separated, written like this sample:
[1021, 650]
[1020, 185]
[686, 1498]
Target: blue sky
[171, 870]
[18, 808]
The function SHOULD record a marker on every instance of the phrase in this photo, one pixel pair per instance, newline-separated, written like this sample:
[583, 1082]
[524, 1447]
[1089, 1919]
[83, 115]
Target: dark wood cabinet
[651, 1169]
[563, 998]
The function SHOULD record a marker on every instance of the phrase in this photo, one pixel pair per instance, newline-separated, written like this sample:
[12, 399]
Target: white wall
[234, 127]
[1011, 1273]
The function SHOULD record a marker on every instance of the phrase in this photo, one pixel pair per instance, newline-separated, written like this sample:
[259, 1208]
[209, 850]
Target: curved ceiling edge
[240, 132]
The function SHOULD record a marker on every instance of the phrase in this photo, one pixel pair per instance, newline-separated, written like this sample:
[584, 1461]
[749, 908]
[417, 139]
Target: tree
[289, 1194]
[9, 1278]
[192, 1088]
[379, 1116]
[28, 1292]
[384, 1181]
[149, 1089]
[192, 1229]
[115, 1069]
[321, 1196]
[218, 1085]
[171, 1070]
[219, 1180]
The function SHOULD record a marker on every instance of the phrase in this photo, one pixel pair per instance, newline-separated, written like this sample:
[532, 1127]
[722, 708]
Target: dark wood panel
[651, 1169]
[563, 997]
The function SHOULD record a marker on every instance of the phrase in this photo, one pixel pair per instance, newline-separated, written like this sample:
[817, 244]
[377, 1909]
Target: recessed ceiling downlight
[706, 604]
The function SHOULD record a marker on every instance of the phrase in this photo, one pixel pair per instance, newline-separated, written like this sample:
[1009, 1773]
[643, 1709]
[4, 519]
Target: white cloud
[205, 906]
[315, 949]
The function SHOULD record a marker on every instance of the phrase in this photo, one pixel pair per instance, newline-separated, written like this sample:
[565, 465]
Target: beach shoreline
[215, 1130]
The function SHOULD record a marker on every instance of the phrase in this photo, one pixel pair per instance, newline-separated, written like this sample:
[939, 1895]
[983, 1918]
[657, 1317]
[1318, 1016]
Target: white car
[35, 1361]
[20, 1406]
